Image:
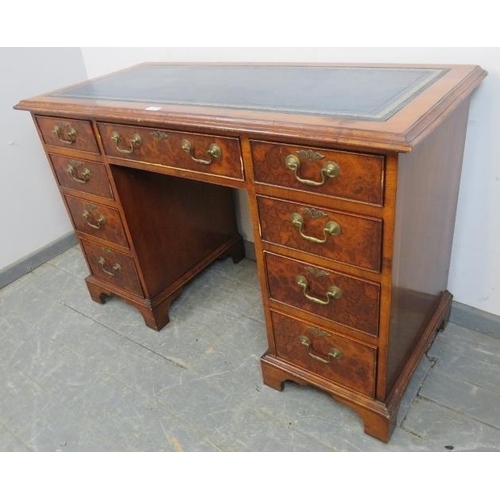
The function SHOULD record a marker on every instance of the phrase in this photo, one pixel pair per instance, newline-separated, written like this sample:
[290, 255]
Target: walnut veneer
[353, 175]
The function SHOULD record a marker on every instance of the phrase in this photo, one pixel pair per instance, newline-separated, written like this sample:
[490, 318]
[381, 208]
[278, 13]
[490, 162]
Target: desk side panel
[427, 194]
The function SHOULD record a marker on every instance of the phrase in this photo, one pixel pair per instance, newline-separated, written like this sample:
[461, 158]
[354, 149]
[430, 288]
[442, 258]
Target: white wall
[475, 266]
[32, 213]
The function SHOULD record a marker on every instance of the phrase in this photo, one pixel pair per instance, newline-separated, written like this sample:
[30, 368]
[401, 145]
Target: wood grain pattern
[165, 147]
[189, 221]
[401, 133]
[358, 307]
[359, 242]
[428, 183]
[125, 276]
[111, 227]
[396, 212]
[355, 369]
[360, 178]
[84, 140]
[97, 183]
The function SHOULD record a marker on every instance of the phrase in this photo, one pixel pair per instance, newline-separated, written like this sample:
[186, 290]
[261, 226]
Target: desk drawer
[198, 153]
[86, 176]
[112, 266]
[337, 297]
[97, 220]
[330, 355]
[68, 133]
[351, 176]
[338, 236]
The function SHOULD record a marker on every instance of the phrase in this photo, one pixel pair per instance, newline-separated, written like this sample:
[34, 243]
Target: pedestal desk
[352, 172]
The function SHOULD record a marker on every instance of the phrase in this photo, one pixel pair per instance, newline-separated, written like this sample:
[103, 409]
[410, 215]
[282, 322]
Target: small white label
[152, 108]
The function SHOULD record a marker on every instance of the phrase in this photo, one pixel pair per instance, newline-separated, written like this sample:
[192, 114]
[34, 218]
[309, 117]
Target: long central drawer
[214, 155]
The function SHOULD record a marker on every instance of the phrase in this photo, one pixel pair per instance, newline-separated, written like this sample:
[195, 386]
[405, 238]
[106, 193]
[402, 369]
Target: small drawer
[68, 133]
[337, 236]
[112, 266]
[351, 176]
[97, 220]
[213, 155]
[86, 176]
[345, 361]
[337, 297]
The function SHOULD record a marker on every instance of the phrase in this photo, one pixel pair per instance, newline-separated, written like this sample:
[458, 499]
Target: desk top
[352, 92]
[384, 106]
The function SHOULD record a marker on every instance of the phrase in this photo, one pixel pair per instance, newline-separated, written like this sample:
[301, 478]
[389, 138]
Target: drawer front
[68, 133]
[97, 220]
[199, 153]
[337, 297]
[112, 266]
[333, 235]
[350, 176]
[325, 353]
[86, 176]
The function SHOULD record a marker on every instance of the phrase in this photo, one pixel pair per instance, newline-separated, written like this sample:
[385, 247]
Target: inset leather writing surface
[346, 92]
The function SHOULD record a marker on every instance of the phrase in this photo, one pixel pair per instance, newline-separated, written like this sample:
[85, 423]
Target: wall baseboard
[475, 319]
[461, 314]
[36, 259]
[250, 250]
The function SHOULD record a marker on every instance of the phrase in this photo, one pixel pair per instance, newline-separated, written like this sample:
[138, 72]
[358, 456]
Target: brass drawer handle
[332, 355]
[101, 220]
[65, 133]
[330, 170]
[114, 270]
[333, 292]
[331, 228]
[214, 151]
[72, 169]
[135, 141]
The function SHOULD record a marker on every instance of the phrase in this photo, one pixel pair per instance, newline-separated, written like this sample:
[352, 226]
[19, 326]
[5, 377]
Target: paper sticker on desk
[152, 108]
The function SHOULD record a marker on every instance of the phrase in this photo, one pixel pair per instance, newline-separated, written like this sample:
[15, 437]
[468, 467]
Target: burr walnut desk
[352, 174]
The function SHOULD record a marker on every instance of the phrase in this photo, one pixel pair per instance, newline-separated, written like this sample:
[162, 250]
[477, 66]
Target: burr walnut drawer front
[86, 176]
[340, 298]
[351, 176]
[68, 133]
[97, 220]
[112, 266]
[338, 236]
[345, 361]
[214, 155]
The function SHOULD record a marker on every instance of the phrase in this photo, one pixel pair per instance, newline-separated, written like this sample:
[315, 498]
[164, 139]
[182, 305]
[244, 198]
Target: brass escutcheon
[331, 228]
[330, 170]
[82, 177]
[214, 152]
[332, 355]
[65, 133]
[333, 291]
[135, 141]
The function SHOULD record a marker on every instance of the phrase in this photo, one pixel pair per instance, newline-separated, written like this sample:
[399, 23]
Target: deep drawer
[86, 176]
[219, 156]
[112, 266]
[97, 220]
[337, 236]
[351, 176]
[325, 353]
[337, 297]
[68, 133]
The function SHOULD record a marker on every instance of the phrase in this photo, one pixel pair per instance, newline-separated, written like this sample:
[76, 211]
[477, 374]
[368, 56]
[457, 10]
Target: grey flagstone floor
[79, 376]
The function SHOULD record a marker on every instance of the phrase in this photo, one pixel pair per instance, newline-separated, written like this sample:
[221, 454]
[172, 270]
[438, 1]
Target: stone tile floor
[79, 376]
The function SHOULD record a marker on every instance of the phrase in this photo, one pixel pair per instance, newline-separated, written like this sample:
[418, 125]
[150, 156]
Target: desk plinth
[352, 175]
